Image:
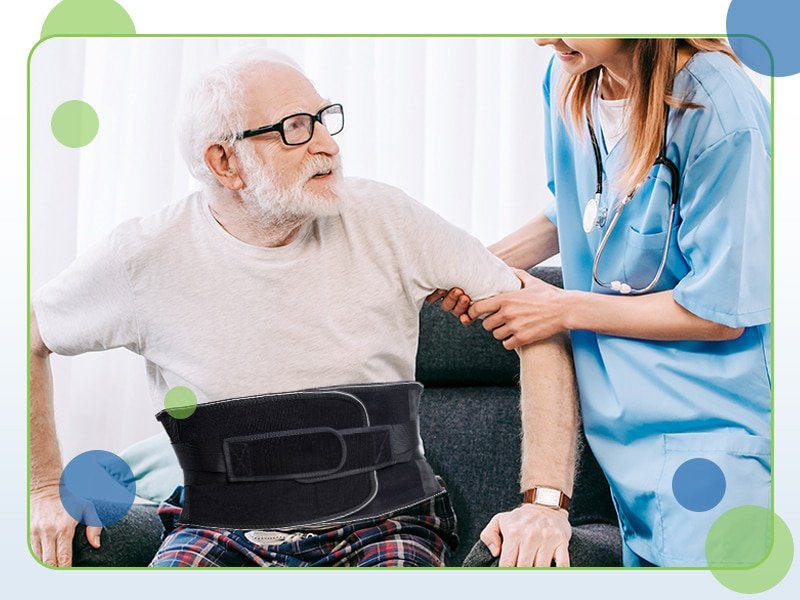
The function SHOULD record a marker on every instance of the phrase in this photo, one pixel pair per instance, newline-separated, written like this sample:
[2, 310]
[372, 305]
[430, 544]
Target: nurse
[680, 369]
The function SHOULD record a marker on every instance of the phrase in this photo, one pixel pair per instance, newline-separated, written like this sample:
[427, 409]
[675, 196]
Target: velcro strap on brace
[304, 454]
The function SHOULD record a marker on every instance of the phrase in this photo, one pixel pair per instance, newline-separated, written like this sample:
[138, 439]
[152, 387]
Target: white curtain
[455, 122]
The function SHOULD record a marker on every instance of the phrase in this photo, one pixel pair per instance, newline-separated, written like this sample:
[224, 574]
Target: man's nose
[545, 41]
[322, 141]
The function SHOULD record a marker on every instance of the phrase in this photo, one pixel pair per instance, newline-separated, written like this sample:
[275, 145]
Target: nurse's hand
[454, 301]
[529, 536]
[520, 318]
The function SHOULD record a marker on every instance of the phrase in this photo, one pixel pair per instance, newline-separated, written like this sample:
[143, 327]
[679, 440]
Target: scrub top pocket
[643, 253]
[744, 460]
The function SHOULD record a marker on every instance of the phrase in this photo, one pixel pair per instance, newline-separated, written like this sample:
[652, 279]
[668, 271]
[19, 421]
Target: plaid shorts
[420, 536]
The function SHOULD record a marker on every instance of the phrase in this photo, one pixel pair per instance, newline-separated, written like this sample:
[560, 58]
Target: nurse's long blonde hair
[649, 95]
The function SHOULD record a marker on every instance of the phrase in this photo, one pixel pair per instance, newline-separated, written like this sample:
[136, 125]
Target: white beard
[274, 204]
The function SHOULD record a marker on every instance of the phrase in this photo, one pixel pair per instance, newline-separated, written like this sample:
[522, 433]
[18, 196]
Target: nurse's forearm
[549, 415]
[529, 245]
[650, 317]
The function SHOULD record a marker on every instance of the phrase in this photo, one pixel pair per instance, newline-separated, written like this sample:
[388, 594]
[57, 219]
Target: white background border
[20, 30]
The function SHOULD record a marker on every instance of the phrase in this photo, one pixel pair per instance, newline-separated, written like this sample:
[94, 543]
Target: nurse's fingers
[513, 343]
[482, 307]
[502, 332]
[524, 277]
[493, 321]
[562, 556]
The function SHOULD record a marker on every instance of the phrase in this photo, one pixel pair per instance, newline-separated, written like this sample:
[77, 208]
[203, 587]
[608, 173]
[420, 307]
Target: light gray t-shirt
[339, 305]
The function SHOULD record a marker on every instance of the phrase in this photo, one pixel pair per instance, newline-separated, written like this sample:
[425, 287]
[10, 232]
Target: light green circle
[74, 123]
[87, 17]
[180, 402]
[738, 549]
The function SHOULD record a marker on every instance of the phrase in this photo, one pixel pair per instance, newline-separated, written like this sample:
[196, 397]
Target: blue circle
[97, 488]
[757, 30]
[698, 484]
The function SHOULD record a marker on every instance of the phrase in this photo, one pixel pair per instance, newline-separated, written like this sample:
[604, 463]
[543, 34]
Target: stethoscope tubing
[661, 159]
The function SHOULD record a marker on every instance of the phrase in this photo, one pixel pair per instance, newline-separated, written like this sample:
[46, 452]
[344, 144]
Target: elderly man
[281, 275]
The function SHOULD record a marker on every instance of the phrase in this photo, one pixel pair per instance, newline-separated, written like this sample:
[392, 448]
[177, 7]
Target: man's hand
[454, 301]
[52, 528]
[529, 535]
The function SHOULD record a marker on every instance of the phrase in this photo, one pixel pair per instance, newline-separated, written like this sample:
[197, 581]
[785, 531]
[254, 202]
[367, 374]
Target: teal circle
[87, 17]
[749, 549]
[180, 402]
[74, 123]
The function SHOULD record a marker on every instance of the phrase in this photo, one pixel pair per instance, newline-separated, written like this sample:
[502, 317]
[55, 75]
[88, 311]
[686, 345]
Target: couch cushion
[472, 439]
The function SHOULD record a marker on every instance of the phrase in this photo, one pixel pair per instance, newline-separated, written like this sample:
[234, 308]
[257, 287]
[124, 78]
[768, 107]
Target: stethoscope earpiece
[622, 288]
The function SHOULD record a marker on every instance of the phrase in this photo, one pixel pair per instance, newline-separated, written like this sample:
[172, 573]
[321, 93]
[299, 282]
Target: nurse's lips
[567, 55]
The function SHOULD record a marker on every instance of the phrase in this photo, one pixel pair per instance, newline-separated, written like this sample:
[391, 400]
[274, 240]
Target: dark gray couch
[471, 429]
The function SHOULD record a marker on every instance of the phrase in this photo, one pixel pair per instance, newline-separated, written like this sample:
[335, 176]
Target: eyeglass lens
[299, 129]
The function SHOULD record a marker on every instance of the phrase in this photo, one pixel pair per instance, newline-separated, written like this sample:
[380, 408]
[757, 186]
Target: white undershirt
[611, 114]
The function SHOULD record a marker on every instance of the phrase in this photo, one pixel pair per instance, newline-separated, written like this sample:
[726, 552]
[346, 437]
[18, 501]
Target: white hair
[213, 108]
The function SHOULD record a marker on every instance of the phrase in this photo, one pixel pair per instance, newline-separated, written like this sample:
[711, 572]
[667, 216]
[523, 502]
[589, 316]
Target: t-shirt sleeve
[89, 306]
[437, 254]
[725, 233]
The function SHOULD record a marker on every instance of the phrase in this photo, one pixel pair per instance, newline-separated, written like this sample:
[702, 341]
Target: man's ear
[224, 166]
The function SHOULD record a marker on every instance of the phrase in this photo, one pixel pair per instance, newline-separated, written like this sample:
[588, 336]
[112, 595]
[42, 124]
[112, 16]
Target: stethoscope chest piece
[593, 215]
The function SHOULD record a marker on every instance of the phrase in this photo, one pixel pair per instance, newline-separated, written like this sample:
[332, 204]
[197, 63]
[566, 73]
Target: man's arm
[533, 535]
[51, 527]
[534, 242]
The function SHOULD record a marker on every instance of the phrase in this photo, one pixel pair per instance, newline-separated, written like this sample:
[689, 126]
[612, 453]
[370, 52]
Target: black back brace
[302, 458]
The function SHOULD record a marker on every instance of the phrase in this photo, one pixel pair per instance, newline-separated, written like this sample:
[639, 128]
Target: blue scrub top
[650, 406]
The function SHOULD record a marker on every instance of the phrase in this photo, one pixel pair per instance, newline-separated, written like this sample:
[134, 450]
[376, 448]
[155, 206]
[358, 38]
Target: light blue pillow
[154, 466]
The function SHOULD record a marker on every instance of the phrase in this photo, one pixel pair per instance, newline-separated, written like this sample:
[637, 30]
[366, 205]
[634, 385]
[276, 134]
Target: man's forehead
[273, 91]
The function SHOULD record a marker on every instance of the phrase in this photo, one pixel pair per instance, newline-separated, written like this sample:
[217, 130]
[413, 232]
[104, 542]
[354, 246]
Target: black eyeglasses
[298, 129]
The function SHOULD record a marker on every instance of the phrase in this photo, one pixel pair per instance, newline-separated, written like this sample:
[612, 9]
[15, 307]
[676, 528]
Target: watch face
[547, 496]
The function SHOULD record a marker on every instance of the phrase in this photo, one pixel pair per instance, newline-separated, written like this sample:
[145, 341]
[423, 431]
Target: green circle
[74, 123]
[87, 17]
[180, 402]
[749, 549]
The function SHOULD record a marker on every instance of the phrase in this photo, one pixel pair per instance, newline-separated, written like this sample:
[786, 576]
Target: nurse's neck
[616, 74]
[618, 70]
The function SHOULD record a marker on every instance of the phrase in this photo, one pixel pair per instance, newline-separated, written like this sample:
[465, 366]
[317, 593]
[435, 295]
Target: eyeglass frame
[248, 133]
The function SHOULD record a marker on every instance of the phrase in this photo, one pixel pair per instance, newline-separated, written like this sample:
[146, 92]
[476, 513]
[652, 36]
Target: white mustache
[319, 163]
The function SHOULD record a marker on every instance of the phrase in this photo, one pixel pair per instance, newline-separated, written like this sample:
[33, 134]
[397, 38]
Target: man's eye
[293, 125]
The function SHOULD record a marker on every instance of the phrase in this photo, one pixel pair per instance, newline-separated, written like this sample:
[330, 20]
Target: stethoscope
[594, 215]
